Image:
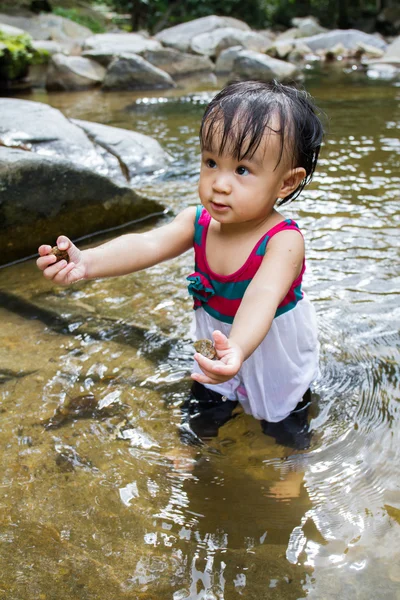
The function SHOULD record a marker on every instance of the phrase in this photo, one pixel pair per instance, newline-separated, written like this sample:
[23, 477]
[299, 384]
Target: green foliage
[16, 54]
[158, 14]
[82, 19]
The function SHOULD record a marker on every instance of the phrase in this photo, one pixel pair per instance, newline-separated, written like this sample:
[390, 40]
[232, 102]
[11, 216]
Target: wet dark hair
[242, 112]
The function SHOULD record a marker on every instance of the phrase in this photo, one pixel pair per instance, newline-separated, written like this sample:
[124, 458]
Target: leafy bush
[16, 54]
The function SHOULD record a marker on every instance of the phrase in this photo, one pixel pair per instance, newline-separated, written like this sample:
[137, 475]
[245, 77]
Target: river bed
[112, 503]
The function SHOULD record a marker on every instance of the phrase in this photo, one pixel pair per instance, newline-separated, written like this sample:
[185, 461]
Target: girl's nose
[221, 184]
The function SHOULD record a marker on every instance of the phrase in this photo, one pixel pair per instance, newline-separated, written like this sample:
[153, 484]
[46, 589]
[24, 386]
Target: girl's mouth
[218, 207]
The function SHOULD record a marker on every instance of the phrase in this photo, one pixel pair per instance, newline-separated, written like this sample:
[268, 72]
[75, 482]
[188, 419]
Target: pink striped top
[221, 295]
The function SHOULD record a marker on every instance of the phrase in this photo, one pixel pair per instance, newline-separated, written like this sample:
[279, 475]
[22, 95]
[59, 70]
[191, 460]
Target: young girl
[259, 148]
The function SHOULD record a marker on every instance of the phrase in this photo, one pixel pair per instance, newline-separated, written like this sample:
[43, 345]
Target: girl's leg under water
[293, 431]
[206, 410]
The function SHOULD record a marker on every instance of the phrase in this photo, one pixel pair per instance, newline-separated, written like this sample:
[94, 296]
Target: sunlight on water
[101, 494]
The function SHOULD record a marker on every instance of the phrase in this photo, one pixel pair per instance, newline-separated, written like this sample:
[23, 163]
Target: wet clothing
[205, 411]
[274, 379]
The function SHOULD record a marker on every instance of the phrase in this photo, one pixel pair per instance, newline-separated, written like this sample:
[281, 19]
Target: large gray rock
[48, 26]
[348, 38]
[226, 59]
[178, 64]
[392, 54]
[115, 44]
[307, 26]
[180, 36]
[253, 65]
[73, 73]
[282, 49]
[10, 30]
[132, 72]
[43, 196]
[214, 42]
[387, 67]
[136, 153]
[50, 47]
[44, 130]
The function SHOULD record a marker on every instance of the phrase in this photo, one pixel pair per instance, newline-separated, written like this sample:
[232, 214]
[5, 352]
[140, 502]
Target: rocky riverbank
[213, 45]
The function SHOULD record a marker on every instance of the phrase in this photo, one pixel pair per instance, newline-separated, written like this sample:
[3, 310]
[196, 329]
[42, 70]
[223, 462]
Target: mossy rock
[16, 54]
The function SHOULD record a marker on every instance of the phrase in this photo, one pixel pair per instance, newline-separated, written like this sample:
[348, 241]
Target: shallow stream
[108, 502]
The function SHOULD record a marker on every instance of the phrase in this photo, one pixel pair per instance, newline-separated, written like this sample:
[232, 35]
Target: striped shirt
[221, 295]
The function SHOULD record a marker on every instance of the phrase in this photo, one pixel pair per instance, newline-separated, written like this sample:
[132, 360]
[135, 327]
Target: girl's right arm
[125, 254]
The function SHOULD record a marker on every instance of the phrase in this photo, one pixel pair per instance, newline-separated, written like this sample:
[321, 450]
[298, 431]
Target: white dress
[274, 378]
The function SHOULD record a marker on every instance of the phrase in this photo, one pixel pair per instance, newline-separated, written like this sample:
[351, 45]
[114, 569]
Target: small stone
[60, 254]
[206, 348]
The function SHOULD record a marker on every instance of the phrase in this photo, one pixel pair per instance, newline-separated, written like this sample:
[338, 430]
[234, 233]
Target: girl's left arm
[281, 265]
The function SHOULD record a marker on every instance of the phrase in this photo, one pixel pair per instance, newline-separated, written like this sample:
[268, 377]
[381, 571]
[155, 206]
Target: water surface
[114, 504]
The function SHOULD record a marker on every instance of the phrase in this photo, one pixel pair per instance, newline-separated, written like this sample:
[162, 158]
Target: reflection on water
[113, 503]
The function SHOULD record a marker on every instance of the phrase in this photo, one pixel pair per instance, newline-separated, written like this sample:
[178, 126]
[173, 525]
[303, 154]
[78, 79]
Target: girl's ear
[291, 181]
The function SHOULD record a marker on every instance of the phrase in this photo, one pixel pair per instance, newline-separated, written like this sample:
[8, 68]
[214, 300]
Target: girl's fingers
[215, 367]
[204, 379]
[62, 275]
[204, 362]
[44, 249]
[63, 242]
[53, 271]
[220, 340]
[45, 261]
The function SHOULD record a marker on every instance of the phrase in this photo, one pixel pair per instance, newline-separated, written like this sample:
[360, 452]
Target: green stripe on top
[217, 315]
[262, 246]
[233, 290]
[198, 229]
[284, 309]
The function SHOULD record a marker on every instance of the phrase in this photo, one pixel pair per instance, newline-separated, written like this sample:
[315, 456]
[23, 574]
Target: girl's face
[245, 191]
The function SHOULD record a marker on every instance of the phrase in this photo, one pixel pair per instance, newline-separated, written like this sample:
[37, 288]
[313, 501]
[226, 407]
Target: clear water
[113, 504]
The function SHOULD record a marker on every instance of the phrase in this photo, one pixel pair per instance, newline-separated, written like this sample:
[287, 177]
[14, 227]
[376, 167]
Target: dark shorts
[205, 411]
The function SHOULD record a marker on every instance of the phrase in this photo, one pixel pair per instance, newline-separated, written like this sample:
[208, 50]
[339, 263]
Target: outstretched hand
[62, 272]
[230, 359]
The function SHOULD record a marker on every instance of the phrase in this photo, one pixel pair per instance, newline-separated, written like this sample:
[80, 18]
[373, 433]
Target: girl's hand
[61, 272]
[230, 359]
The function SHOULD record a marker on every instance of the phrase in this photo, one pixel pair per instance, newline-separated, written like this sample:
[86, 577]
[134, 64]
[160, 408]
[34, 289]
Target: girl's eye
[242, 171]
[211, 163]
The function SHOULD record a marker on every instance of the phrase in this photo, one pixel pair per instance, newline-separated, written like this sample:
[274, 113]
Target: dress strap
[286, 225]
[201, 223]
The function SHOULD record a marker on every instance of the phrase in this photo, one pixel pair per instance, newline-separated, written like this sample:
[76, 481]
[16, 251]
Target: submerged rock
[68, 459]
[84, 406]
